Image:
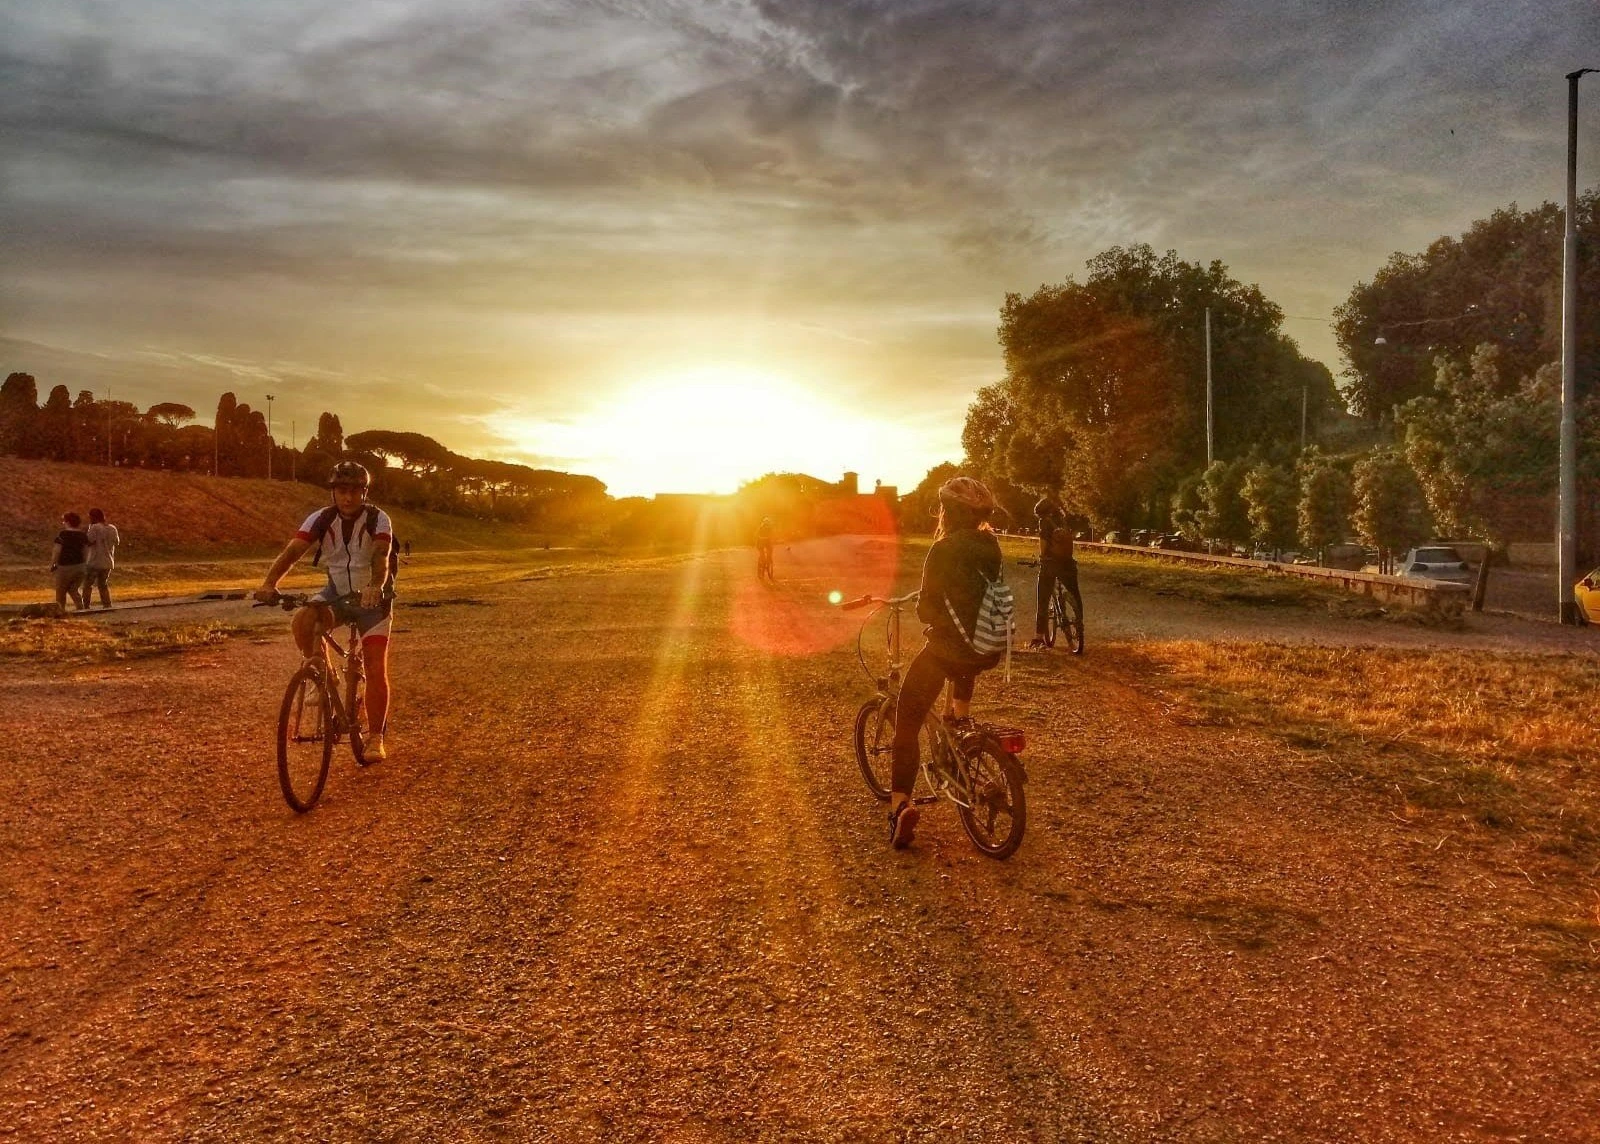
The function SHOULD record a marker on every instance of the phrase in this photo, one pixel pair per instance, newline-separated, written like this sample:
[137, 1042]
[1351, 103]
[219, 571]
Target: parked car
[1113, 537]
[1435, 563]
[1174, 542]
[1587, 593]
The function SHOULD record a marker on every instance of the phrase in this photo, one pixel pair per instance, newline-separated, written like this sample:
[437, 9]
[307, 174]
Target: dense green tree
[1499, 283]
[1323, 512]
[1105, 382]
[1485, 446]
[1271, 500]
[1390, 513]
[1223, 514]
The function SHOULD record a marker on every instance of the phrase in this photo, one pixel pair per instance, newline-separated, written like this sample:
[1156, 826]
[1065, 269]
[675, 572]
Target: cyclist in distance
[764, 546]
[965, 556]
[352, 539]
[1056, 562]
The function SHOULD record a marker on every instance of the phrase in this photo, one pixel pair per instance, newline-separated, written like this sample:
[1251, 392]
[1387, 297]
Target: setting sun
[710, 429]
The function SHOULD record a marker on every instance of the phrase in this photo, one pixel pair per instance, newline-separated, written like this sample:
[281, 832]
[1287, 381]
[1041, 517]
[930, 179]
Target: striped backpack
[991, 631]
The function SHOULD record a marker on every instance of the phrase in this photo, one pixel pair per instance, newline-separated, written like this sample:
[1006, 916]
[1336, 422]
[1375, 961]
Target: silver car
[1435, 563]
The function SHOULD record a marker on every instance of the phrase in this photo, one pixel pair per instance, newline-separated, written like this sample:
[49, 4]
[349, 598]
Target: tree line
[1445, 424]
[409, 470]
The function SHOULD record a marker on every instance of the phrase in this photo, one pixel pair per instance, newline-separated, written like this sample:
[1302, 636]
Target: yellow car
[1587, 594]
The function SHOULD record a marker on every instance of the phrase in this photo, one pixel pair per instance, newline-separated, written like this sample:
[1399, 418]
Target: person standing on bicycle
[352, 540]
[1056, 562]
[964, 558]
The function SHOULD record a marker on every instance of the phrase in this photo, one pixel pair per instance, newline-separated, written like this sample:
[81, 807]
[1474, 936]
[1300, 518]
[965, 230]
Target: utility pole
[1209, 453]
[294, 450]
[269, 436]
[1567, 528]
[1303, 389]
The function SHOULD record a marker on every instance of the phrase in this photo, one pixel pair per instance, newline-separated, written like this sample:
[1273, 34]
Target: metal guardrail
[1432, 595]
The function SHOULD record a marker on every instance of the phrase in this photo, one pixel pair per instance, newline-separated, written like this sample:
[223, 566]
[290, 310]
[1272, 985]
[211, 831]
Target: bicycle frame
[945, 767]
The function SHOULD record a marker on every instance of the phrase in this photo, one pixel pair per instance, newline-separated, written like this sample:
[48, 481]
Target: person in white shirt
[103, 539]
[352, 539]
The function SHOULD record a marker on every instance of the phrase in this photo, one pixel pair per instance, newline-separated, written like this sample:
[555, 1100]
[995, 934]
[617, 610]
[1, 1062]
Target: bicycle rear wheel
[875, 744]
[999, 810]
[305, 747]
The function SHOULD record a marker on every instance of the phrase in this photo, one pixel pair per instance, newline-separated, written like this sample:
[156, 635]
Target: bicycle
[974, 766]
[323, 704]
[1062, 616]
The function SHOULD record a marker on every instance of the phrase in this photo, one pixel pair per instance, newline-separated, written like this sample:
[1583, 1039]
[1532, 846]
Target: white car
[1435, 563]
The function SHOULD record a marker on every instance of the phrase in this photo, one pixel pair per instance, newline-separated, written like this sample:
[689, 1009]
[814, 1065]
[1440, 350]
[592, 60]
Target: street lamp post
[1567, 527]
[269, 436]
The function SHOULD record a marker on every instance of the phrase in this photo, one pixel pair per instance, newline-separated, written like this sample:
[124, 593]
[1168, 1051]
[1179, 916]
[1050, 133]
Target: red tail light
[1011, 740]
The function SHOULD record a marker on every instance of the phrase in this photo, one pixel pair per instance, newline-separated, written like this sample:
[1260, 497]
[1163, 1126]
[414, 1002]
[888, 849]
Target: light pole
[1567, 527]
[269, 436]
[1209, 456]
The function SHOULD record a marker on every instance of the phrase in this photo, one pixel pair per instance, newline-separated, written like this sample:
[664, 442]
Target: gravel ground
[621, 881]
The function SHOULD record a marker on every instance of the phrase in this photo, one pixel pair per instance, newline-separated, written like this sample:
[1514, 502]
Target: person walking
[103, 538]
[67, 557]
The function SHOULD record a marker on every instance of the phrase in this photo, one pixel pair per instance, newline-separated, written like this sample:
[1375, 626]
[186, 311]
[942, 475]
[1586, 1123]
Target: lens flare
[835, 597]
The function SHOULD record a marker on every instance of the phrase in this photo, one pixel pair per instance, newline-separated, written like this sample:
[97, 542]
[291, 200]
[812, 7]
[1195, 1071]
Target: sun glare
[709, 430]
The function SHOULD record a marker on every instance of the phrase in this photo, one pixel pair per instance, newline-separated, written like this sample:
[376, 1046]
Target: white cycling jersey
[347, 548]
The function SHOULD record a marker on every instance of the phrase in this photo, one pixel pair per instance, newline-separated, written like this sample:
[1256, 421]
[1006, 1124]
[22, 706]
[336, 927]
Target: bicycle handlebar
[864, 601]
[289, 602]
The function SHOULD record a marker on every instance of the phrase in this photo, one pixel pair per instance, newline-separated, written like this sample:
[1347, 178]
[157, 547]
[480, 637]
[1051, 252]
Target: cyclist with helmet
[352, 540]
[1056, 562]
[964, 558]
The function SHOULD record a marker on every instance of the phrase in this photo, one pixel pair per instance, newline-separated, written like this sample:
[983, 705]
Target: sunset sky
[672, 243]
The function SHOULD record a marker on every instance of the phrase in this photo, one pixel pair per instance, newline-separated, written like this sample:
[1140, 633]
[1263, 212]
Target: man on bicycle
[352, 539]
[1056, 562]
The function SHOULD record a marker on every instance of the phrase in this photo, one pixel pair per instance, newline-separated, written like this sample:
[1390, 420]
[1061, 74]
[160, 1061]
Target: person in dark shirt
[764, 548]
[965, 556]
[1056, 562]
[68, 562]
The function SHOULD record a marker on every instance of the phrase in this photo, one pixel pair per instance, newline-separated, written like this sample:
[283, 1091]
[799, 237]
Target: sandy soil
[621, 881]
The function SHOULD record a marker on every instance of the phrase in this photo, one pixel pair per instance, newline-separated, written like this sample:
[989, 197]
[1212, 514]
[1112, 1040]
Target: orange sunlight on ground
[793, 616]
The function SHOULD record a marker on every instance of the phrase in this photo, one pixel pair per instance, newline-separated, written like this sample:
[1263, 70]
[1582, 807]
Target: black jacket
[954, 577]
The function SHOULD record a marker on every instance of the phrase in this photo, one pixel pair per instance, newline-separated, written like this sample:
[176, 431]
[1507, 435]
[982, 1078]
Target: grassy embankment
[183, 532]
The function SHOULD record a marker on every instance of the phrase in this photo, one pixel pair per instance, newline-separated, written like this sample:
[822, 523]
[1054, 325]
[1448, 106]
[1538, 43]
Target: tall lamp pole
[1209, 456]
[1567, 534]
[269, 436]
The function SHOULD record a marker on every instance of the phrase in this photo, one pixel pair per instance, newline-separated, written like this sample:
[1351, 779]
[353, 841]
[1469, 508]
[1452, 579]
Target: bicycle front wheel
[875, 744]
[1070, 622]
[999, 811]
[305, 746]
[355, 710]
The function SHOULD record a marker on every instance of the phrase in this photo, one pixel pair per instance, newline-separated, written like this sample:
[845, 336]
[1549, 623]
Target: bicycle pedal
[926, 799]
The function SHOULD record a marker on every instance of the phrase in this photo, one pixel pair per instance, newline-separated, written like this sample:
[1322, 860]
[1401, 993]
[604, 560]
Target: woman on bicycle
[964, 558]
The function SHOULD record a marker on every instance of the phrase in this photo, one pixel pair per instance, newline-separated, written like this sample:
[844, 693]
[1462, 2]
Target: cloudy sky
[602, 235]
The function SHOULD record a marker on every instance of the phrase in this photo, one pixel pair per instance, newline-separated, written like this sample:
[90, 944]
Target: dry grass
[1507, 740]
[68, 641]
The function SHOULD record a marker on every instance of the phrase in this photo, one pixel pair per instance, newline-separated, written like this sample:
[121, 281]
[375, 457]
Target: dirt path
[621, 882]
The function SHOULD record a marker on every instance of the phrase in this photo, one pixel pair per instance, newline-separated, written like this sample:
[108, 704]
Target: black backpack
[369, 525]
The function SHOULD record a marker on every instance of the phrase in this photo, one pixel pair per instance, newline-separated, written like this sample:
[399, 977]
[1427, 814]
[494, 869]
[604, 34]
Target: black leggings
[1049, 572]
[924, 680]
